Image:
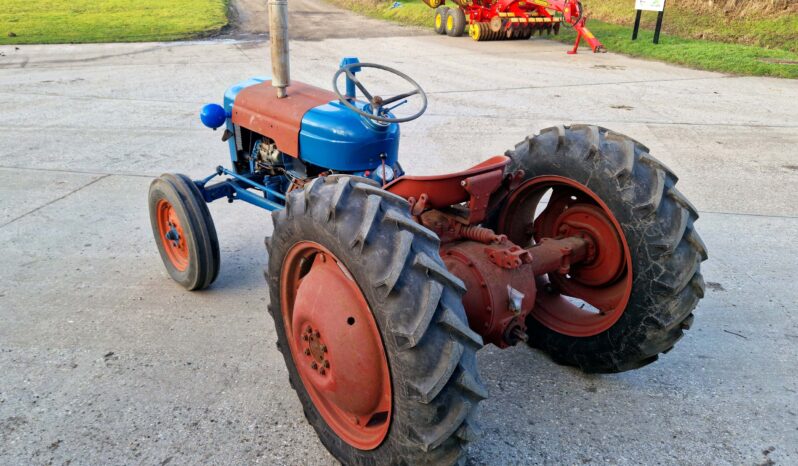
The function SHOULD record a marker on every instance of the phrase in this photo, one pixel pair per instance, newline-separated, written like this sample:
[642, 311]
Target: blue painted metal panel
[337, 138]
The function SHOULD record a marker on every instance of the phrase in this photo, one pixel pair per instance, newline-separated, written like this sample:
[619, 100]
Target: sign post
[649, 5]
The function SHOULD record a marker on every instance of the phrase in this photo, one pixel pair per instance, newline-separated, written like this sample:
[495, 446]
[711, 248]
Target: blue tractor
[384, 285]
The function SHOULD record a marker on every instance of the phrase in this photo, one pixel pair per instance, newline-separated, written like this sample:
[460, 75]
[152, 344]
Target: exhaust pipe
[278, 34]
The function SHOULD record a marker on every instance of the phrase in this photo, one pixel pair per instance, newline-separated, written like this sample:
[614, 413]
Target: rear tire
[440, 19]
[191, 256]
[416, 304]
[455, 22]
[657, 222]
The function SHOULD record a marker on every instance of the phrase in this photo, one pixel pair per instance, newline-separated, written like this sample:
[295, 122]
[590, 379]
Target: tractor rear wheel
[636, 297]
[184, 231]
[440, 19]
[371, 326]
[455, 22]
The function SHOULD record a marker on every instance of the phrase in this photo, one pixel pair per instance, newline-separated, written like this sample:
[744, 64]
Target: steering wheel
[379, 106]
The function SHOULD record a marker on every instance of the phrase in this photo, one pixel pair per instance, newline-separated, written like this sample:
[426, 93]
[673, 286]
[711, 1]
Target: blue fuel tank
[335, 137]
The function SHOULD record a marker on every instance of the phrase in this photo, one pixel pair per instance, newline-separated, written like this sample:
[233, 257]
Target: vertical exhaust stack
[278, 34]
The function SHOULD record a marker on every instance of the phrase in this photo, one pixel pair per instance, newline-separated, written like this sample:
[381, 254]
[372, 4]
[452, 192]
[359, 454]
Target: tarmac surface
[104, 360]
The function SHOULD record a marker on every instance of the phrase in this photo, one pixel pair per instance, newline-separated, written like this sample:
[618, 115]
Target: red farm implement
[512, 19]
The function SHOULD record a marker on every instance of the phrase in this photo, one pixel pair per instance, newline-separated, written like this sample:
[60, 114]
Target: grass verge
[707, 55]
[702, 54]
[772, 31]
[77, 21]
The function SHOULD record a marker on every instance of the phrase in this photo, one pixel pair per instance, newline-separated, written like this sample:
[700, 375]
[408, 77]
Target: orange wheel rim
[336, 345]
[172, 236]
[604, 283]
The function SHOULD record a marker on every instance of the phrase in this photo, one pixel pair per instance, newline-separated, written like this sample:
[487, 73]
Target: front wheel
[635, 295]
[371, 326]
[184, 231]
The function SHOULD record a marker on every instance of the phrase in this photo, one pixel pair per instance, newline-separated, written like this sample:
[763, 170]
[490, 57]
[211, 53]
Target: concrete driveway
[104, 360]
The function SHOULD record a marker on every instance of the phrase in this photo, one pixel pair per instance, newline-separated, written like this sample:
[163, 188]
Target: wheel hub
[602, 281]
[605, 262]
[315, 350]
[171, 231]
[336, 345]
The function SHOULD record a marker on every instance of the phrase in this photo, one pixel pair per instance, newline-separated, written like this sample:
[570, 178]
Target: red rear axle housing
[581, 246]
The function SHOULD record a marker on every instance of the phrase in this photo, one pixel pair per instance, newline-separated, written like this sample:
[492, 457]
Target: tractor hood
[312, 125]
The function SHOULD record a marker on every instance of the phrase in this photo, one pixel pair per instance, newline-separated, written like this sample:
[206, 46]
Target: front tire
[184, 231]
[414, 304]
[655, 222]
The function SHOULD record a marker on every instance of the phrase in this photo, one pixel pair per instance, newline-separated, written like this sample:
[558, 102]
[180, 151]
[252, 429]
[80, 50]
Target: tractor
[512, 19]
[383, 285]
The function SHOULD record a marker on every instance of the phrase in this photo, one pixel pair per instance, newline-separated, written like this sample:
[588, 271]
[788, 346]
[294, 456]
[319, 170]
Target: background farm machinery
[384, 285]
[512, 19]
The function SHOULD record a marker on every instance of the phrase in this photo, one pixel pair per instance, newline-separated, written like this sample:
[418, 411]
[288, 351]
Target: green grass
[767, 31]
[734, 58]
[75, 21]
[700, 54]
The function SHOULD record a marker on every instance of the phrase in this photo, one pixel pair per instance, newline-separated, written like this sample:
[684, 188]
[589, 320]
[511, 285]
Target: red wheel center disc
[336, 345]
[172, 237]
[605, 249]
[603, 280]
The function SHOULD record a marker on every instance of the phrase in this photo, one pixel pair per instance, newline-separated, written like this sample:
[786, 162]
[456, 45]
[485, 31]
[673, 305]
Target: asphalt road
[103, 360]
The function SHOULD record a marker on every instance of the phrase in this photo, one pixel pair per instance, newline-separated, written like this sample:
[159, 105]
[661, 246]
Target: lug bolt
[321, 371]
[310, 329]
[305, 337]
[307, 351]
[324, 348]
[326, 363]
[317, 335]
[313, 365]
